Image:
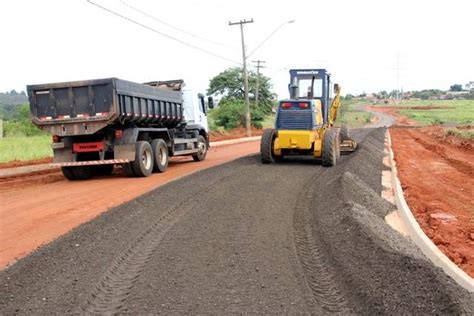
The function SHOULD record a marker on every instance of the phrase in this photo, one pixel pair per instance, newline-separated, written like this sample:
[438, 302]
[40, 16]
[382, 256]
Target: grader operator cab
[304, 123]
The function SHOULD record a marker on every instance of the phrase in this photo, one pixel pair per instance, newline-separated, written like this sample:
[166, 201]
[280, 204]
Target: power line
[160, 33]
[270, 35]
[172, 26]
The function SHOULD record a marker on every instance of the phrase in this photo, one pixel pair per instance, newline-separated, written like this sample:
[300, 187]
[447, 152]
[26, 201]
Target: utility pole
[398, 77]
[258, 78]
[245, 75]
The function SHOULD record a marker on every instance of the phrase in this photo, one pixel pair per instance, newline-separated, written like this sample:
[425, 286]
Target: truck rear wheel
[330, 148]
[202, 149]
[103, 170]
[160, 153]
[68, 173]
[127, 168]
[77, 173]
[143, 164]
[266, 146]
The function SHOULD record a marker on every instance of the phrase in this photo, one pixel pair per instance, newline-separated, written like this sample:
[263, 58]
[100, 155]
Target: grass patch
[25, 148]
[355, 119]
[350, 115]
[462, 133]
[454, 111]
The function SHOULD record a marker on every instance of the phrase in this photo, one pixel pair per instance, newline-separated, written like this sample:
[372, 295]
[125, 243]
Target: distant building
[470, 86]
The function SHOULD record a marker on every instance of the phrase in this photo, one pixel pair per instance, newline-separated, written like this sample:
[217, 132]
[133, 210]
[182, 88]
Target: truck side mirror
[336, 88]
[210, 102]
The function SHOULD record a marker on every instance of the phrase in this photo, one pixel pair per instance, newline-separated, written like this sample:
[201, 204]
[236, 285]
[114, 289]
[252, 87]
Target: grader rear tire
[330, 148]
[266, 146]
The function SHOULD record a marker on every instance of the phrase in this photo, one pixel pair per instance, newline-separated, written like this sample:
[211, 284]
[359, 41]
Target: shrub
[231, 114]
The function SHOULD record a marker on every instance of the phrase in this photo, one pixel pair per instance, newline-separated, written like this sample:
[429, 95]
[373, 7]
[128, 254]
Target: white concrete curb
[430, 250]
[234, 141]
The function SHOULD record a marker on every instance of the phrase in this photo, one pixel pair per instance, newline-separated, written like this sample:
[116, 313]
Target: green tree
[455, 87]
[229, 84]
[231, 114]
[394, 93]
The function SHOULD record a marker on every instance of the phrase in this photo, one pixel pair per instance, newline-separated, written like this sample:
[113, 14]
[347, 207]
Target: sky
[367, 45]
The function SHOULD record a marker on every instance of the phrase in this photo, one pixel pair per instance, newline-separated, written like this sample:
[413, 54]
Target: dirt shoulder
[39, 207]
[393, 111]
[437, 176]
[22, 163]
[235, 133]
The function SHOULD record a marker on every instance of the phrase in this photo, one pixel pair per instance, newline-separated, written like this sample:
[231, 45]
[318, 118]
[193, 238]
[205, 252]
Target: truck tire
[266, 146]
[160, 154]
[202, 147]
[143, 164]
[345, 133]
[103, 170]
[127, 168]
[82, 172]
[330, 145]
[68, 173]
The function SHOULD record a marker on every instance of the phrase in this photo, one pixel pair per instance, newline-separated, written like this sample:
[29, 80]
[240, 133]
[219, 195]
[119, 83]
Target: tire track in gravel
[319, 274]
[111, 291]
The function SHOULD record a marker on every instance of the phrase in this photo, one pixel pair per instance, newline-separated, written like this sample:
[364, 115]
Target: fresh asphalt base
[243, 237]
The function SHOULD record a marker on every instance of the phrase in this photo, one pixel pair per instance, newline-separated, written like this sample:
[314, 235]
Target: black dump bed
[69, 108]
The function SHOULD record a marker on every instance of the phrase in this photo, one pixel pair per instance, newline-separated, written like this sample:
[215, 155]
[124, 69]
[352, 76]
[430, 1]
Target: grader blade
[348, 146]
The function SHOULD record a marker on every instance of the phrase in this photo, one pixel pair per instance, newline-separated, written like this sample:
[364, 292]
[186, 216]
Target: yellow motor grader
[304, 123]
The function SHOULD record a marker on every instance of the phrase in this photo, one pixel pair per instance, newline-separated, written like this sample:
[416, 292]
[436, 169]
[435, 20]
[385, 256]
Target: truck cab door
[202, 111]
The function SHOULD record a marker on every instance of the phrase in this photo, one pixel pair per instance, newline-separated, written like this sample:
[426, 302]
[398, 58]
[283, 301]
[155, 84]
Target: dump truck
[97, 124]
[304, 123]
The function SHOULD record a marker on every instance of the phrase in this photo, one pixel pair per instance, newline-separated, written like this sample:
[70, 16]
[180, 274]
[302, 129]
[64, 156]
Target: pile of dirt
[232, 134]
[442, 134]
[348, 220]
[21, 163]
[436, 174]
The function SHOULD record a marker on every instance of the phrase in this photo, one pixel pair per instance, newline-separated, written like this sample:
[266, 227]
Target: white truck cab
[196, 106]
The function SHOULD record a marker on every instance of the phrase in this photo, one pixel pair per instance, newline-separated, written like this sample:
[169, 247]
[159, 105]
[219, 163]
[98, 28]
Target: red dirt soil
[39, 207]
[437, 176]
[21, 163]
[240, 132]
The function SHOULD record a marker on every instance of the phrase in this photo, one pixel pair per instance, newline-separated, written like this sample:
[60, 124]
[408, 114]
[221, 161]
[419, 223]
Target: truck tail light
[118, 134]
[286, 105]
[303, 105]
[56, 139]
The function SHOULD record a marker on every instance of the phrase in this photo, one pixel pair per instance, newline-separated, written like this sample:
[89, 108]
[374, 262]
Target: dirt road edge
[429, 249]
[9, 172]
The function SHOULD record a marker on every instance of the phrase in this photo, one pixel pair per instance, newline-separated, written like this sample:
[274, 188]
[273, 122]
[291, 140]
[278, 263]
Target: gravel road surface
[382, 119]
[39, 207]
[290, 238]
